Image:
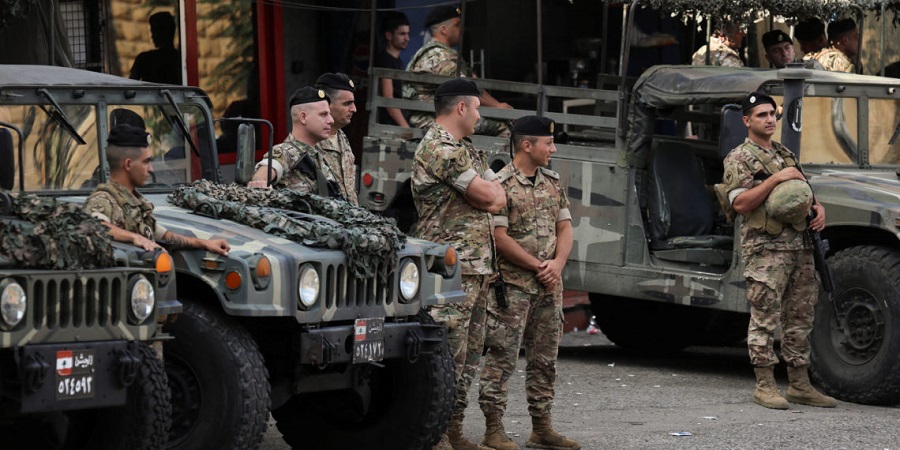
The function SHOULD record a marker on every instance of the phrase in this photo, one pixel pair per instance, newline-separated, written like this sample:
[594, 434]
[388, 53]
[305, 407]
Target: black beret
[775, 37]
[308, 94]
[839, 27]
[809, 29]
[456, 87]
[534, 126]
[339, 81]
[755, 99]
[440, 14]
[125, 135]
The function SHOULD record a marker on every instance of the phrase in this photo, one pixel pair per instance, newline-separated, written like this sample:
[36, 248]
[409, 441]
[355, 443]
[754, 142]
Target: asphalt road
[610, 399]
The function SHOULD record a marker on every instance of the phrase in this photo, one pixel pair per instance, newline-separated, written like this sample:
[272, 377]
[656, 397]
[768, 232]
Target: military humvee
[652, 247]
[341, 361]
[81, 325]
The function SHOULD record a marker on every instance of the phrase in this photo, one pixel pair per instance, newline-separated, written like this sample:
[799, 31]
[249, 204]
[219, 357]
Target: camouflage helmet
[789, 203]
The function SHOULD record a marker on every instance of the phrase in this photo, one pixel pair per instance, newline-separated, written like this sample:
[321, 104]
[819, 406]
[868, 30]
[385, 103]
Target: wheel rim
[186, 399]
[861, 315]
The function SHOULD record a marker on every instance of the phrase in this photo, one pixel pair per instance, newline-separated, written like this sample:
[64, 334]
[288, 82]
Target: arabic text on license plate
[74, 374]
[368, 340]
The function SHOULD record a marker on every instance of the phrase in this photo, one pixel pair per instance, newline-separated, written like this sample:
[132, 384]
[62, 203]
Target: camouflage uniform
[337, 155]
[530, 216]
[722, 55]
[834, 60]
[111, 202]
[442, 171]
[439, 59]
[781, 279]
[290, 170]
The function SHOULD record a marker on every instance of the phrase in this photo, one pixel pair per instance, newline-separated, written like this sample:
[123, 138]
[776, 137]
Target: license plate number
[75, 374]
[368, 340]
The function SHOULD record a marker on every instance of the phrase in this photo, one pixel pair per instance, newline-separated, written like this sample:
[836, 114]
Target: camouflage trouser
[484, 127]
[781, 287]
[536, 321]
[465, 332]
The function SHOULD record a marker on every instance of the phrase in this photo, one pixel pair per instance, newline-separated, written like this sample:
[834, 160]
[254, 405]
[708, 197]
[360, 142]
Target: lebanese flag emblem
[64, 363]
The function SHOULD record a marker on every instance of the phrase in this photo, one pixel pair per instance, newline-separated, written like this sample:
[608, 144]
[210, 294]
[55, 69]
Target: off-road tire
[410, 407]
[142, 423]
[867, 285]
[219, 384]
[647, 326]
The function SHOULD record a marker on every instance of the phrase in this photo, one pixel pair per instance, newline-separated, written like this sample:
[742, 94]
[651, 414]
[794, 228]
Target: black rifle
[821, 248]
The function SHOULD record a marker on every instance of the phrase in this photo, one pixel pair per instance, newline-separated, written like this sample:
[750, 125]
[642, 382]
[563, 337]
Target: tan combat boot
[766, 391]
[495, 436]
[544, 436]
[455, 435]
[800, 391]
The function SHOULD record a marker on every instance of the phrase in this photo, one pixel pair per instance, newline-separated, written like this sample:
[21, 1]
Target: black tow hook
[35, 372]
[127, 368]
[413, 345]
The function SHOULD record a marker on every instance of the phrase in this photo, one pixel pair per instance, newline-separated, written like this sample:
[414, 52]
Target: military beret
[775, 37]
[125, 135]
[837, 28]
[534, 126]
[809, 29]
[755, 99]
[339, 81]
[456, 87]
[308, 94]
[440, 14]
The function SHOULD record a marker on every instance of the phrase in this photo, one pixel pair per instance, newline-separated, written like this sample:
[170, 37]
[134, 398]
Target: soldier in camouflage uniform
[779, 49]
[779, 269]
[127, 214]
[844, 39]
[438, 57]
[295, 162]
[534, 238]
[723, 48]
[335, 154]
[455, 194]
[810, 34]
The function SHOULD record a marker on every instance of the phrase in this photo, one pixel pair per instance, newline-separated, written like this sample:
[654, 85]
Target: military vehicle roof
[31, 75]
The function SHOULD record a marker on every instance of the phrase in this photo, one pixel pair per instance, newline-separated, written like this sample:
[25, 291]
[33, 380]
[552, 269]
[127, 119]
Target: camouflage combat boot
[800, 391]
[495, 436]
[455, 435]
[544, 436]
[766, 391]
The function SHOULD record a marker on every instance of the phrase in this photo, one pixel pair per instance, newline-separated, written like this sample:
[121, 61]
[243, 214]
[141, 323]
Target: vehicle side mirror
[246, 153]
[7, 160]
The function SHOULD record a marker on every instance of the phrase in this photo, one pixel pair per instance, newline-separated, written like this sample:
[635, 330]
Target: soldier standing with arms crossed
[534, 239]
[335, 154]
[455, 194]
[764, 185]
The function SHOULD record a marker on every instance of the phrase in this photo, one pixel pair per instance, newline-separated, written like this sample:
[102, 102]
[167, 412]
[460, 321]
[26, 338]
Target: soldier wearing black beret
[841, 55]
[533, 235]
[336, 155]
[295, 163]
[118, 204]
[441, 14]
[779, 48]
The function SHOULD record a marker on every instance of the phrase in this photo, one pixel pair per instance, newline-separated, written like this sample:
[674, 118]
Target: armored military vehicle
[652, 246]
[80, 324]
[327, 337]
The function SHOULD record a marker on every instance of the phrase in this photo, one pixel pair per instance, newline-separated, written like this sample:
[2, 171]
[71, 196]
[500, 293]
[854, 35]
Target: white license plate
[75, 377]
[368, 340]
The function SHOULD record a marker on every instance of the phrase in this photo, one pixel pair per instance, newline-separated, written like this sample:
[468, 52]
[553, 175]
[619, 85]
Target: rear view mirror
[246, 153]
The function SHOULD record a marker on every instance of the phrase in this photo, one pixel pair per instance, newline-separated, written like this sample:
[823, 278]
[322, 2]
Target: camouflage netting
[369, 240]
[47, 234]
[744, 11]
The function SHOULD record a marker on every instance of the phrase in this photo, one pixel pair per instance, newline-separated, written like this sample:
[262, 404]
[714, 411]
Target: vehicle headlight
[443, 260]
[308, 288]
[12, 302]
[143, 298]
[409, 279]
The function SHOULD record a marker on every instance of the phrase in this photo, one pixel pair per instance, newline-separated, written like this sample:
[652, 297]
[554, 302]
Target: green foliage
[234, 72]
[744, 11]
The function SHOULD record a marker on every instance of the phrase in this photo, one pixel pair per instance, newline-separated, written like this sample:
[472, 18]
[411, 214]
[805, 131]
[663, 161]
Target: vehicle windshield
[54, 161]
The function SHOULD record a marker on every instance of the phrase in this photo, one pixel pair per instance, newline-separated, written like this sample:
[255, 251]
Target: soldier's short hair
[393, 20]
[838, 28]
[444, 105]
[116, 154]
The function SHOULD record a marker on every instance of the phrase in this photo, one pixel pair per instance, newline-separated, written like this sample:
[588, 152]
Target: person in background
[779, 49]
[844, 39]
[334, 154]
[162, 65]
[723, 48]
[395, 27]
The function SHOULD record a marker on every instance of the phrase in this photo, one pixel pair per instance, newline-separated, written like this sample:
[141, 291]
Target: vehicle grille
[78, 302]
[344, 290]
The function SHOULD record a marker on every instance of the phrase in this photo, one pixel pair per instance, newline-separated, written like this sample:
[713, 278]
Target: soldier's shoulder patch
[549, 173]
[505, 173]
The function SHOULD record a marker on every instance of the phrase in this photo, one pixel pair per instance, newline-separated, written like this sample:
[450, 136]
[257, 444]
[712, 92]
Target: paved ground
[610, 399]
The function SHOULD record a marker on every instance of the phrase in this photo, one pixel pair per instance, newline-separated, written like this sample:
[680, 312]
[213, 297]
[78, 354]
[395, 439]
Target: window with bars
[84, 22]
